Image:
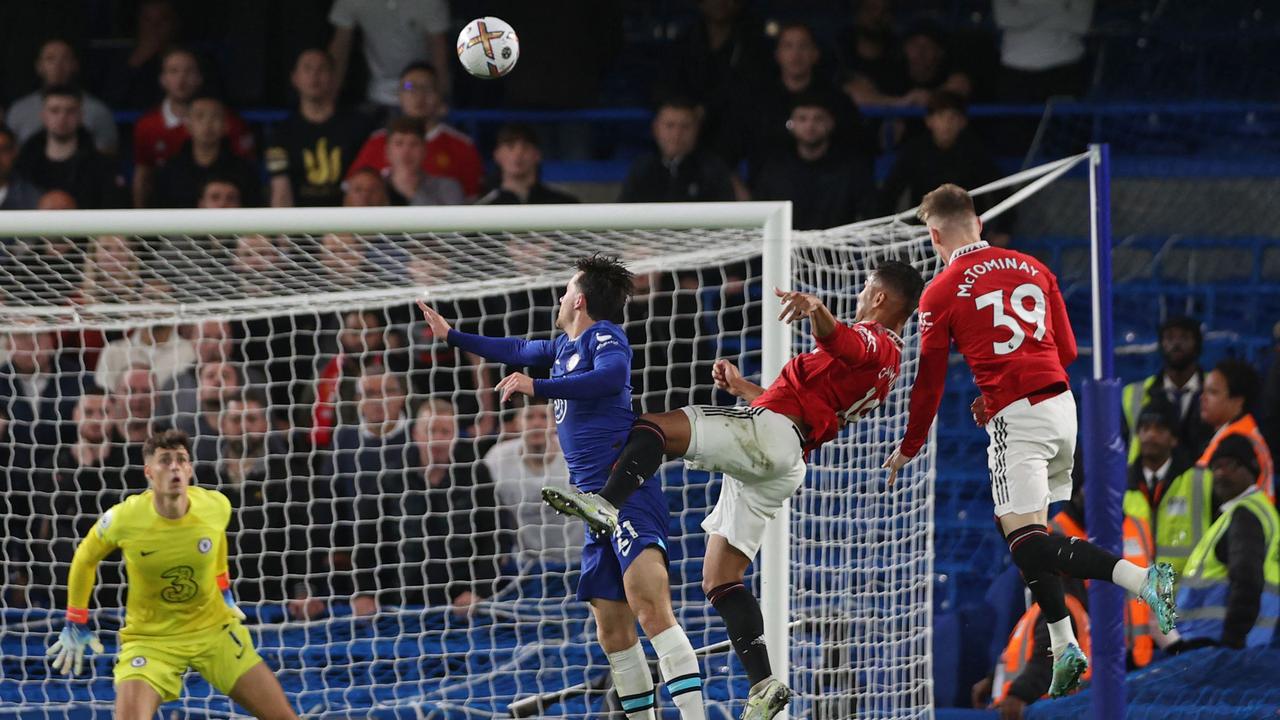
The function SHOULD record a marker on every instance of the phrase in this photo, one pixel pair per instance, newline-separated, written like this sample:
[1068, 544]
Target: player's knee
[1029, 545]
[616, 639]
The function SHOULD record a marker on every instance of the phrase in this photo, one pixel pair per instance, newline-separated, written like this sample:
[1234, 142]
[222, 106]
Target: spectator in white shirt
[1042, 49]
[520, 467]
[396, 33]
[160, 348]
[56, 65]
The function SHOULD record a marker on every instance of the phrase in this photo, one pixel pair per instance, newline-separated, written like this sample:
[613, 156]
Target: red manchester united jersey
[1005, 312]
[847, 376]
[449, 154]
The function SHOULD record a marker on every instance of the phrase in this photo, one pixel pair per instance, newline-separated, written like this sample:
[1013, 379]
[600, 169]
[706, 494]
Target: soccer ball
[488, 48]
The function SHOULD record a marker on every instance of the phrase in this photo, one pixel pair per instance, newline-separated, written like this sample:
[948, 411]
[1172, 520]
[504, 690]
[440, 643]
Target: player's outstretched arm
[729, 378]
[68, 650]
[508, 351]
[797, 306]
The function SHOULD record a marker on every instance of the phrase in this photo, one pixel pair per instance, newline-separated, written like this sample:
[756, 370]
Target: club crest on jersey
[205, 545]
[573, 363]
[104, 523]
[866, 336]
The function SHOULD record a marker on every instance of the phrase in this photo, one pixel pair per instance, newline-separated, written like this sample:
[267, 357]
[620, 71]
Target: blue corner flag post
[1104, 457]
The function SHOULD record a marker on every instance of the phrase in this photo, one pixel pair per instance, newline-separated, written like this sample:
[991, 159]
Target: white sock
[633, 682]
[1061, 635]
[1129, 576]
[680, 672]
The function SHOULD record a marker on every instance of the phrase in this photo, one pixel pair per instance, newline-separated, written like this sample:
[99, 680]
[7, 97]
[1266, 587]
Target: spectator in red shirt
[407, 183]
[449, 153]
[160, 133]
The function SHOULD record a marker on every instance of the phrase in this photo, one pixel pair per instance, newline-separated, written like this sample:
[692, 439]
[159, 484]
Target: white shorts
[1031, 454]
[761, 454]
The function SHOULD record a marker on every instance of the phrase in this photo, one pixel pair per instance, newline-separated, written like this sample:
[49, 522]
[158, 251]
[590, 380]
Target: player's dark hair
[903, 280]
[1189, 325]
[220, 179]
[679, 102]
[1242, 379]
[814, 98]
[92, 389]
[64, 90]
[181, 50]
[425, 67]
[947, 202]
[405, 125]
[606, 284]
[166, 440]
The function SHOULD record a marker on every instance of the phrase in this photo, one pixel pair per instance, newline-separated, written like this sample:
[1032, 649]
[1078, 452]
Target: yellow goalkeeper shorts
[221, 655]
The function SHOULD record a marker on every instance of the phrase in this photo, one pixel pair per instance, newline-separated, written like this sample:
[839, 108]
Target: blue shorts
[642, 522]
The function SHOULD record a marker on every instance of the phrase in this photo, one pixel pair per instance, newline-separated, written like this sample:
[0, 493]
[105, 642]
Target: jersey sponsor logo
[604, 339]
[205, 545]
[560, 407]
[573, 363]
[138, 661]
[971, 274]
[182, 585]
[104, 523]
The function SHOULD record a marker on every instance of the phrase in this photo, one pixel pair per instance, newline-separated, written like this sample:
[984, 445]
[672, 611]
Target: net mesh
[371, 469]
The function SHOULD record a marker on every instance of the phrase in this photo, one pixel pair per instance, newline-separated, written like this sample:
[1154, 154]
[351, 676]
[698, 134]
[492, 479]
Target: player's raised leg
[648, 588]
[652, 437]
[259, 692]
[723, 580]
[616, 631]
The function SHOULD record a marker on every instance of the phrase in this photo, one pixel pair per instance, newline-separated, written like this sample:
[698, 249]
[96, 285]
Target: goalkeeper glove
[68, 650]
[224, 584]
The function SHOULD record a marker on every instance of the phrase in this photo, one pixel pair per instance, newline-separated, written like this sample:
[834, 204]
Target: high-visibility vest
[1022, 646]
[1137, 550]
[1183, 514]
[1248, 427]
[1202, 599]
[1134, 396]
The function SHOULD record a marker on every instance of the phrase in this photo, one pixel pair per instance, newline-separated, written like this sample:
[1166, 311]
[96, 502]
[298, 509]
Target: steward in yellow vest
[1172, 496]
[1230, 590]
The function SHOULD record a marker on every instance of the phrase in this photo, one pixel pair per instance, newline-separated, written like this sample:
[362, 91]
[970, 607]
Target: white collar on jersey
[892, 335]
[971, 247]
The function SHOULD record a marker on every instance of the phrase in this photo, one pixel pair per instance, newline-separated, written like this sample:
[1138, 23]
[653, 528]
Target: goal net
[387, 539]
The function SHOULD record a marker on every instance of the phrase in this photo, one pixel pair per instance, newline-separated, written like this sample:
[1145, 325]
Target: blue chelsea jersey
[592, 429]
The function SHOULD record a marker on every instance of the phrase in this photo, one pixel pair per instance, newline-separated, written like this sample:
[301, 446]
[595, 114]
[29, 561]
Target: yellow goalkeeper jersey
[172, 566]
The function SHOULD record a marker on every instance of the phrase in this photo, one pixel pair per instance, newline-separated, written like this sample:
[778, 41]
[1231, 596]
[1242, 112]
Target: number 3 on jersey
[1033, 315]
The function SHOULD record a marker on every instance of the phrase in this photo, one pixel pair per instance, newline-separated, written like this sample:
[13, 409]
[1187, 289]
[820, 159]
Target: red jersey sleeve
[142, 141]
[1063, 336]
[471, 170]
[850, 344]
[935, 347]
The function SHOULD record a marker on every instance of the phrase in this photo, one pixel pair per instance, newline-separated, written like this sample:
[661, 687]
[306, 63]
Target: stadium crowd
[340, 436]
[743, 109]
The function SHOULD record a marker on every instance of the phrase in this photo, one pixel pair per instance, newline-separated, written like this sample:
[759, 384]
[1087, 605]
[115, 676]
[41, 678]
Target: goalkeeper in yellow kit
[180, 612]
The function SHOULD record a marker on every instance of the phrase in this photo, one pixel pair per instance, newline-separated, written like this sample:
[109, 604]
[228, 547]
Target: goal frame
[773, 219]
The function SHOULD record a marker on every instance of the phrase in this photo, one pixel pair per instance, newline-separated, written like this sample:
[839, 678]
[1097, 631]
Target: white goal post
[846, 570]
